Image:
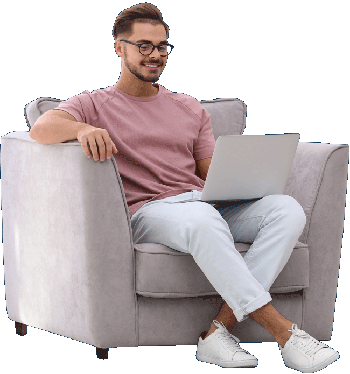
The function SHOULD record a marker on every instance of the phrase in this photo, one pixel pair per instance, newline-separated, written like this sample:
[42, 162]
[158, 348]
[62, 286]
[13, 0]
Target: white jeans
[273, 224]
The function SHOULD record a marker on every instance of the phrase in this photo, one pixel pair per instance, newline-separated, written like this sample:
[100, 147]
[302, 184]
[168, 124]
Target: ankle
[284, 336]
[227, 323]
[282, 341]
[211, 330]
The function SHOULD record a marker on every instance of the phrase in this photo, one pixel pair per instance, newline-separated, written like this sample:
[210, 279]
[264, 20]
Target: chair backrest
[34, 109]
[228, 116]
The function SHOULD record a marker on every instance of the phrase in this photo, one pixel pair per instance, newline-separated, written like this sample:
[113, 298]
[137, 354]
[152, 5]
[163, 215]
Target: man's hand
[96, 141]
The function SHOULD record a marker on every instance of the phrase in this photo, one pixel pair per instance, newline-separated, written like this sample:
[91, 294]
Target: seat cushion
[162, 272]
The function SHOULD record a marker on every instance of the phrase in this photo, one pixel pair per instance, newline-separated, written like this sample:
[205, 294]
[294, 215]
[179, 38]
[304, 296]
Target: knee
[292, 210]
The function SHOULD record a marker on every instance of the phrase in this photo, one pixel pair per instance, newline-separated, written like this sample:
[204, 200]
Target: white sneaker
[222, 348]
[304, 353]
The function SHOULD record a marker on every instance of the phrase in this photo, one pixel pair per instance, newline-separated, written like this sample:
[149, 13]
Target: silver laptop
[245, 167]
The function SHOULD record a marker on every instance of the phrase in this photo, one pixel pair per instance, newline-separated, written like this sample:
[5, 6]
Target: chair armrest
[318, 180]
[68, 250]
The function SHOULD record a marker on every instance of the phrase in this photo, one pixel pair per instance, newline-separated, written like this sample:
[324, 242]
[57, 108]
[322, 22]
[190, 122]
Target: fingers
[93, 147]
[84, 145]
[110, 146]
[100, 148]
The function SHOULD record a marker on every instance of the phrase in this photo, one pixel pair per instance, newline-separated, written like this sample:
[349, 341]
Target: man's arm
[56, 126]
[202, 167]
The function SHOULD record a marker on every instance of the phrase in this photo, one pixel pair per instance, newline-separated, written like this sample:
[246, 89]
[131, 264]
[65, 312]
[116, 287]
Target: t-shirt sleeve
[205, 144]
[74, 107]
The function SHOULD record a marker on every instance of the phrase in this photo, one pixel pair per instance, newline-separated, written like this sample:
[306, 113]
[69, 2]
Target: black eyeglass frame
[153, 47]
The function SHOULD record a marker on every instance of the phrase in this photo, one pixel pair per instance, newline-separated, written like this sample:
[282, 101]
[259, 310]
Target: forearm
[51, 129]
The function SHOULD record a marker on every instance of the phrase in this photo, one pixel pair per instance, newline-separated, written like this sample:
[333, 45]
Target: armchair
[71, 266]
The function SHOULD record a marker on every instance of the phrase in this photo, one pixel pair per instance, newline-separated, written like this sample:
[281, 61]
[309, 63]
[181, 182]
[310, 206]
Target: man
[165, 143]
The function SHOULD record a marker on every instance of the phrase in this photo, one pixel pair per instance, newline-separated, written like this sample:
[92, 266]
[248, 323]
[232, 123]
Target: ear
[117, 47]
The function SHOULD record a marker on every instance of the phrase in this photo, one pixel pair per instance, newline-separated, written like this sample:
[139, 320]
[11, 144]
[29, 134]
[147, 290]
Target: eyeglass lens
[146, 49]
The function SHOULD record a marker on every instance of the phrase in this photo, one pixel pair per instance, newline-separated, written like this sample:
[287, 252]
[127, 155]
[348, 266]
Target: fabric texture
[158, 138]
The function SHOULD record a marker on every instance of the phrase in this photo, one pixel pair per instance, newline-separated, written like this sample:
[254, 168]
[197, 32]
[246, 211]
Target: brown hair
[144, 13]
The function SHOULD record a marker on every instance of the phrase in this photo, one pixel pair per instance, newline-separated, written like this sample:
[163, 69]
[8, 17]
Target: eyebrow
[149, 41]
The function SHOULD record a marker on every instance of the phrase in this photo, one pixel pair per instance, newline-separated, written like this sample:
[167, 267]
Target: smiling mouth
[150, 67]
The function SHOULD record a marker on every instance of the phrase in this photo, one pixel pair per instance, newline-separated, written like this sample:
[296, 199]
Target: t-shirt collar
[136, 98]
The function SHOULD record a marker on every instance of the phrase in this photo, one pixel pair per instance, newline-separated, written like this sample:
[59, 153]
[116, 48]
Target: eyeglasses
[148, 48]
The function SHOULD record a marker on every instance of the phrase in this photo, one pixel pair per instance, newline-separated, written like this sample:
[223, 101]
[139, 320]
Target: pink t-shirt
[158, 139]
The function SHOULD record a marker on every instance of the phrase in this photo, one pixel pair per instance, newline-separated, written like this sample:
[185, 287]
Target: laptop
[246, 167]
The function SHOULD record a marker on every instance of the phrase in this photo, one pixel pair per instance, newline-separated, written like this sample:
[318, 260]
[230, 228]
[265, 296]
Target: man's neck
[139, 92]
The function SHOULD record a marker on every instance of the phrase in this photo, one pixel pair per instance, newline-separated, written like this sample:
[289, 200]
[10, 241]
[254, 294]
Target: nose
[155, 53]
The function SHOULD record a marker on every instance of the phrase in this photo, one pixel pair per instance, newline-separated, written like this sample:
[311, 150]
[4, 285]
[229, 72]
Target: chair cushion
[162, 272]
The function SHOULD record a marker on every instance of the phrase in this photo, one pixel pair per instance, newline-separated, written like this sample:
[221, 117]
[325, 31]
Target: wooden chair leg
[21, 328]
[102, 353]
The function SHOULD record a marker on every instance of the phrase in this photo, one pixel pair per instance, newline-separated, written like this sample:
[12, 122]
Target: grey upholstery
[71, 266]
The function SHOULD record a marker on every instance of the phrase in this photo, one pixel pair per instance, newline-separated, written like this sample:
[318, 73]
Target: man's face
[133, 62]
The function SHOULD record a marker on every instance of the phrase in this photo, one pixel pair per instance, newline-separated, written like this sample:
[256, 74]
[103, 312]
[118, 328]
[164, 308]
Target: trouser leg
[198, 228]
[273, 224]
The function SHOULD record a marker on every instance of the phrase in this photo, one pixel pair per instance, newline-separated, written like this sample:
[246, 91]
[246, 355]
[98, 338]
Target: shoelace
[228, 338]
[307, 343]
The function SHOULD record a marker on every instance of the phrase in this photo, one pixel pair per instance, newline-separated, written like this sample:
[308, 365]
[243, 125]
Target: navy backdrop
[288, 61]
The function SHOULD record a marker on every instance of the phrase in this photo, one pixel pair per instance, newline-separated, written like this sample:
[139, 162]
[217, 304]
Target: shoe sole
[227, 364]
[317, 367]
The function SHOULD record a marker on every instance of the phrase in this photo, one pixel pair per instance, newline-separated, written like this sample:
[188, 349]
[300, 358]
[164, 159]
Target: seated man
[165, 144]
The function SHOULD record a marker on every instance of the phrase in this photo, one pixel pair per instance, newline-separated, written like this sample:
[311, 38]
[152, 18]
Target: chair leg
[102, 353]
[21, 328]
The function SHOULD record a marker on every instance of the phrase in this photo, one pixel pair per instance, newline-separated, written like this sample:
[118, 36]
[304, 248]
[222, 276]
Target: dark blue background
[288, 61]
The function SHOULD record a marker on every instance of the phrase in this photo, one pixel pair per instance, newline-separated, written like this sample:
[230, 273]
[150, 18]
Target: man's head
[141, 22]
